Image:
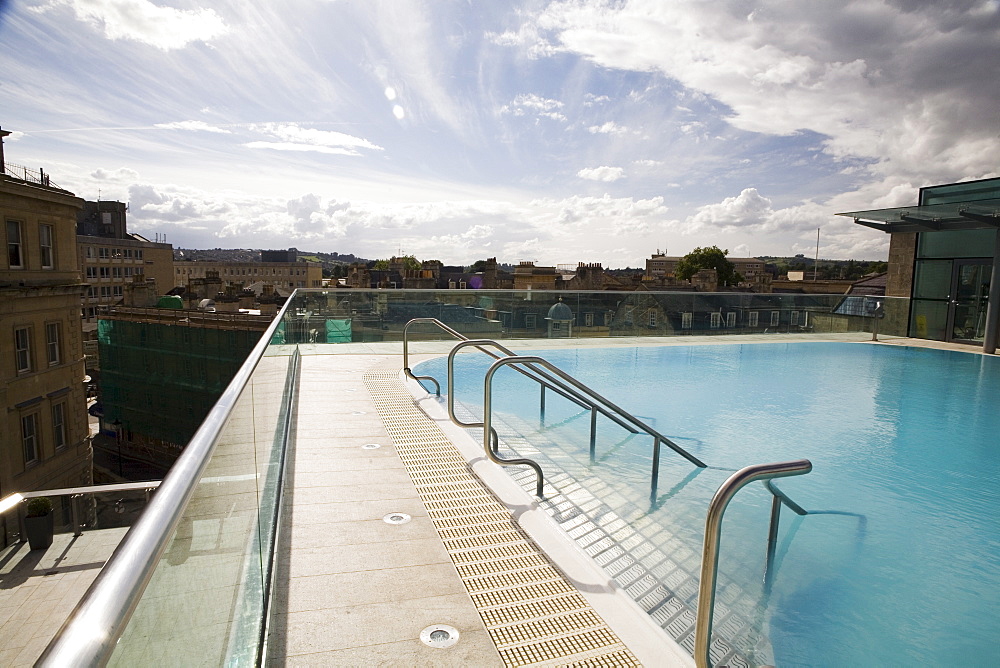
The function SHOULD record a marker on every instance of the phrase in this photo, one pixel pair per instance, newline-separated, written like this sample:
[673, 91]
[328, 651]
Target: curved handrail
[480, 343]
[91, 631]
[541, 377]
[713, 532]
[545, 380]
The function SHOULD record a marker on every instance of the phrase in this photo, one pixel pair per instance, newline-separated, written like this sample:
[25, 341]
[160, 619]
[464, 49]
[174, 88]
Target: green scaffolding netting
[161, 380]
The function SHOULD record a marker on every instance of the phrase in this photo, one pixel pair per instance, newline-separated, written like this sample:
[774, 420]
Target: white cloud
[603, 173]
[908, 89]
[531, 104]
[609, 128]
[165, 28]
[120, 175]
[196, 126]
[293, 137]
[748, 209]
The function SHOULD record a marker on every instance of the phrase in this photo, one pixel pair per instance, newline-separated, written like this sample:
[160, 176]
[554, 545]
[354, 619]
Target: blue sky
[558, 132]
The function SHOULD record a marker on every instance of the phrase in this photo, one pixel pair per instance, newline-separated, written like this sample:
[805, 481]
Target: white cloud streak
[164, 28]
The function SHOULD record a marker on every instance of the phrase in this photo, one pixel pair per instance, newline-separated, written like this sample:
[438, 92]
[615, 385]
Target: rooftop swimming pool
[897, 564]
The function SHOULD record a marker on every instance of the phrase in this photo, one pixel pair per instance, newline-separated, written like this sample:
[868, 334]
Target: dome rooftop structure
[559, 311]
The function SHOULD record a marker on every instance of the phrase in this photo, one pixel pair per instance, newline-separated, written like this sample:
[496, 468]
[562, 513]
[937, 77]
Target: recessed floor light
[370, 446]
[439, 636]
[396, 518]
[359, 413]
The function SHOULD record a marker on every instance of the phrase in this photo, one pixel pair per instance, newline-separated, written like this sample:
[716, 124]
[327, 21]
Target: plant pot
[39, 531]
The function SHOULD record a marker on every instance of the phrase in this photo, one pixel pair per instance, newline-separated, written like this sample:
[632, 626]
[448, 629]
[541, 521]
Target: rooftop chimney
[3, 165]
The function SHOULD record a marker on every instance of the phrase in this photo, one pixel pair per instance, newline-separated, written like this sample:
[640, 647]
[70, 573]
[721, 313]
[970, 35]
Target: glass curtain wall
[951, 282]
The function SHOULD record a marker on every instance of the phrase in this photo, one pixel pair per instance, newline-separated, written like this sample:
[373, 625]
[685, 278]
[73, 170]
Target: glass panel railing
[370, 316]
[75, 510]
[190, 580]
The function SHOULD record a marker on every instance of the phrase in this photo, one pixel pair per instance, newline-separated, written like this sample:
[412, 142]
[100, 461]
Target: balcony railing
[29, 175]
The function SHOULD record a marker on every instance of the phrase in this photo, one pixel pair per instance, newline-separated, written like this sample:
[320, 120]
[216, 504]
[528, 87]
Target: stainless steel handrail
[90, 634]
[553, 383]
[480, 344]
[532, 359]
[713, 533]
[540, 376]
[16, 499]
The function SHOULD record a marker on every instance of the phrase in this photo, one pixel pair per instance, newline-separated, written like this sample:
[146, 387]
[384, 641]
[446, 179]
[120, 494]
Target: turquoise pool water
[904, 444]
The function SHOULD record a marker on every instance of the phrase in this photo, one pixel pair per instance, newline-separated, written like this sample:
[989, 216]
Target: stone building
[45, 438]
[118, 267]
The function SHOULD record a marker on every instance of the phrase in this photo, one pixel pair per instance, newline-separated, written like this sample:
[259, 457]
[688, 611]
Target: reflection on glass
[972, 288]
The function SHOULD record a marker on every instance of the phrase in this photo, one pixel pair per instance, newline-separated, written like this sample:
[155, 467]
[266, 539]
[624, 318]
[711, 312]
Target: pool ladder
[549, 377]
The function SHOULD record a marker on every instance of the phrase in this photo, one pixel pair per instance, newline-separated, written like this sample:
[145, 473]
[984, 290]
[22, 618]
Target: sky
[552, 131]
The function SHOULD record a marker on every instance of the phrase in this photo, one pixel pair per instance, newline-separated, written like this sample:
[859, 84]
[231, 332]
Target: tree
[708, 258]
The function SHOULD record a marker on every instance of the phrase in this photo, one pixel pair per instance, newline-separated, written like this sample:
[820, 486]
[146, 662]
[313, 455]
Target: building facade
[944, 255]
[114, 262]
[45, 437]
[279, 274]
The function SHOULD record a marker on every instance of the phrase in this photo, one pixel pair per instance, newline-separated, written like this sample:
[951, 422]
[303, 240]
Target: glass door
[970, 287]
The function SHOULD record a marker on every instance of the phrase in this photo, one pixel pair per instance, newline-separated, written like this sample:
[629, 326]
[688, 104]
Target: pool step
[644, 557]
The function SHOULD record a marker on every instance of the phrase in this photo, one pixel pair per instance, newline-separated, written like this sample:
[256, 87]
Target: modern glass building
[943, 256]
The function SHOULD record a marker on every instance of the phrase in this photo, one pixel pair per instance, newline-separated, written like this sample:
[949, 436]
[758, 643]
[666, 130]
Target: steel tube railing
[544, 379]
[713, 533]
[480, 344]
[89, 635]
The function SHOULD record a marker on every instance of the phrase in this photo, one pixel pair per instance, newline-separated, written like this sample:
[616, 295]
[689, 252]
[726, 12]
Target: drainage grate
[533, 615]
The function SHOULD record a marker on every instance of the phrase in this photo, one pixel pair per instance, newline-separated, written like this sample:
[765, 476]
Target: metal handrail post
[487, 427]
[74, 507]
[713, 533]
[655, 475]
[541, 404]
[593, 434]
[772, 541]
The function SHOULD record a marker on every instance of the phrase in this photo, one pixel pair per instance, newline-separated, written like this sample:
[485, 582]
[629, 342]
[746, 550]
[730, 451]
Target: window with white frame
[29, 437]
[588, 319]
[116, 290]
[731, 319]
[529, 321]
[716, 320]
[752, 318]
[45, 237]
[686, 319]
[91, 272]
[128, 253]
[116, 272]
[15, 258]
[652, 318]
[138, 254]
[128, 272]
[59, 425]
[102, 253]
[105, 272]
[53, 343]
[795, 318]
[775, 318]
[22, 349]
[89, 252]
[105, 290]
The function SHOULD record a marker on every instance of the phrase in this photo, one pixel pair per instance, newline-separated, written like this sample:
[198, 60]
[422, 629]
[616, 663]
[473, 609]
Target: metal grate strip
[534, 616]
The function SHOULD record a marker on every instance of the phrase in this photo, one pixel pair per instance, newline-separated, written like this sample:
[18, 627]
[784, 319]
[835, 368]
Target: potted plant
[39, 522]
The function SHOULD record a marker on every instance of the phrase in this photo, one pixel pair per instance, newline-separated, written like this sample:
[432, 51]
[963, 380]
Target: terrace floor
[380, 544]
